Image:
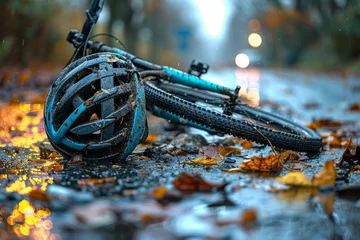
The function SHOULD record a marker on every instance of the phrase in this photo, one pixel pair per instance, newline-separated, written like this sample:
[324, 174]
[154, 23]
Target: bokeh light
[242, 60]
[255, 40]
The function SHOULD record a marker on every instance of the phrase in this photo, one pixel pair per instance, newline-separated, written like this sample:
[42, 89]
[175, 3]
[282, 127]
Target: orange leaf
[159, 192]
[246, 144]
[259, 163]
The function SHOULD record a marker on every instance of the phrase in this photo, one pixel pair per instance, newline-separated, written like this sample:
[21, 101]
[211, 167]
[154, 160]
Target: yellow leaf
[295, 179]
[203, 161]
[327, 176]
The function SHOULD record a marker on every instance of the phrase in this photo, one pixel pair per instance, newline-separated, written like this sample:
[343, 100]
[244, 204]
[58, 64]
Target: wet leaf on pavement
[326, 177]
[213, 155]
[195, 183]
[351, 158]
[266, 164]
[355, 107]
[204, 160]
[95, 181]
[295, 179]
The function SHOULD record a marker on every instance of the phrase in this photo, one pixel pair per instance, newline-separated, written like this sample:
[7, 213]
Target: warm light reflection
[242, 60]
[255, 40]
[248, 80]
[28, 220]
[21, 125]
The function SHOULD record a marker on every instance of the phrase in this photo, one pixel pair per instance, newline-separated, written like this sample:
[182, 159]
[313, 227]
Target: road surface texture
[155, 195]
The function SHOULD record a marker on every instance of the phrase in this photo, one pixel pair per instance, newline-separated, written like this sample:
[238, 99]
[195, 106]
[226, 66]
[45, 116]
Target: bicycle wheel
[246, 122]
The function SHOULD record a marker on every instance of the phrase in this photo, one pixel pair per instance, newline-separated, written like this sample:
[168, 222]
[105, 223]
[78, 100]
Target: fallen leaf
[246, 144]
[324, 123]
[349, 157]
[325, 177]
[50, 166]
[204, 160]
[218, 152]
[151, 138]
[38, 194]
[162, 194]
[354, 107]
[94, 117]
[259, 163]
[295, 179]
[268, 164]
[95, 181]
[248, 218]
[193, 183]
[159, 192]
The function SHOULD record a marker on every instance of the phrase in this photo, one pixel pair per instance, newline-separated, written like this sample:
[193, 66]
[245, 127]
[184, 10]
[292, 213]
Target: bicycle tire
[300, 139]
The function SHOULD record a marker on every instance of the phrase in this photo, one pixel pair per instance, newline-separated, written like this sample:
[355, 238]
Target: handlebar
[92, 14]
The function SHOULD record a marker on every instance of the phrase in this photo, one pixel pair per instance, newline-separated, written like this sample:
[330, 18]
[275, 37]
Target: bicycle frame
[145, 68]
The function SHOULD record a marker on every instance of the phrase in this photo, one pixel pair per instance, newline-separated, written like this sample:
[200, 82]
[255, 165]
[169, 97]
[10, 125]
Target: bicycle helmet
[96, 108]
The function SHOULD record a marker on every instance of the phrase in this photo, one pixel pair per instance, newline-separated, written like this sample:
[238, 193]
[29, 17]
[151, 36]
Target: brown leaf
[327, 176]
[249, 216]
[349, 157]
[194, 183]
[38, 194]
[355, 107]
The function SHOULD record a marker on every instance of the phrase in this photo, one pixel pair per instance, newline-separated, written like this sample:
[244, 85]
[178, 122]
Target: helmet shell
[96, 108]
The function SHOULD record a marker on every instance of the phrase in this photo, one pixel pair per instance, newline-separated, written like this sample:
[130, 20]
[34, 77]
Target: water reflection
[27, 220]
[21, 125]
[249, 81]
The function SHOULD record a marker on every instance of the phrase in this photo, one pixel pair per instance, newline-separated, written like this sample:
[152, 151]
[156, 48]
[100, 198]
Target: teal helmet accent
[96, 108]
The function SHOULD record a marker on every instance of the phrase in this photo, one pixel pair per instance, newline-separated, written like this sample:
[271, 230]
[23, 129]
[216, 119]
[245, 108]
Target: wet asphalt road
[123, 206]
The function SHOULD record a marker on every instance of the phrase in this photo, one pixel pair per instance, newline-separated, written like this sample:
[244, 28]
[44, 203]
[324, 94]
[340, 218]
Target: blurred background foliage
[311, 34]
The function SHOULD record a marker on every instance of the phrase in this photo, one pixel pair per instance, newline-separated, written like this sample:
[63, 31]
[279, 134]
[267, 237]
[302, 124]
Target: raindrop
[185, 94]
[23, 42]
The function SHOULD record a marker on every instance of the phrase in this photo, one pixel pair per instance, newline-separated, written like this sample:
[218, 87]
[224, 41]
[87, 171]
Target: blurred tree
[126, 15]
[26, 32]
[332, 24]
